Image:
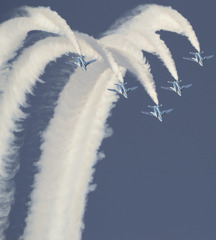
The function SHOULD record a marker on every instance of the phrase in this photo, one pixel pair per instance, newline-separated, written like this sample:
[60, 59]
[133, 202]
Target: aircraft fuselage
[199, 59]
[157, 113]
[122, 90]
[82, 63]
[177, 88]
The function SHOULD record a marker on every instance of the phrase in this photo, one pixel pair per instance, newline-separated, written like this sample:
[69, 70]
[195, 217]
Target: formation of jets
[176, 87]
[198, 57]
[121, 89]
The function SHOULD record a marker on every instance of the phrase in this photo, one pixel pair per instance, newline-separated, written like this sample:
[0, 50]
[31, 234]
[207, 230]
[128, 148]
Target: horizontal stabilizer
[113, 90]
[91, 61]
[186, 86]
[209, 57]
[167, 111]
[74, 63]
[168, 88]
[190, 59]
[148, 113]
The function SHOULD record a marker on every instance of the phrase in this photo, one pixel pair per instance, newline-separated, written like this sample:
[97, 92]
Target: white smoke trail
[68, 178]
[104, 52]
[164, 54]
[22, 82]
[76, 96]
[58, 21]
[77, 129]
[166, 18]
[14, 31]
[153, 44]
[18, 83]
[133, 60]
[149, 43]
[152, 18]
[25, 72]
[141, 28]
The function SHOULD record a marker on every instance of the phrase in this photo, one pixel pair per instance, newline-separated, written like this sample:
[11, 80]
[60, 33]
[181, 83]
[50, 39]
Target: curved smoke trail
[133, 60]
[95, 104]
[58, 21]
[73, 136]
[25, 72]
[149, 42]
[142, 24]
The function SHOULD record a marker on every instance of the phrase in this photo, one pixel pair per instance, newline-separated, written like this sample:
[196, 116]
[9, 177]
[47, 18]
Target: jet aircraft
[82, 63]
[157, 112]
[121, 89]
[198, 57]
[176, 87]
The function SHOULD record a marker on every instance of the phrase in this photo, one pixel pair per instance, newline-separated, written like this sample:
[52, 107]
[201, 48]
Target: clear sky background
[158, 180]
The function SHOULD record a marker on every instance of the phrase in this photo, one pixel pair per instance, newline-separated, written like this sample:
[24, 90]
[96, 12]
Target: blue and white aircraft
[157, 112]
[81, 62]
[176, 87]
[198, 57]
[121, 89]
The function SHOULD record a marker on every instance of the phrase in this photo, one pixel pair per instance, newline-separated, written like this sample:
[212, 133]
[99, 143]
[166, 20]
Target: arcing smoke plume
[74, 134]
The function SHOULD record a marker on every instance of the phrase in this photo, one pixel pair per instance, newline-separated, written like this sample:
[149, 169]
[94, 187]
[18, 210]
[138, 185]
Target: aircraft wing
[74, 63]
[132, 88]
[114, 90]
[148, 113]
[91, 61]
[208, 57]
[186, 86]
[168, 88]
[167, 111]
[190, 59]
